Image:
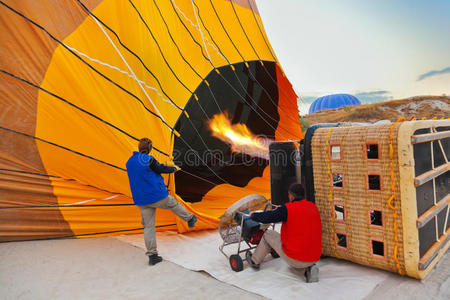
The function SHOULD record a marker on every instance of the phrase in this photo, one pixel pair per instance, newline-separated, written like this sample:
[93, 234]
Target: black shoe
[274, 254]
[312, 273]
[154, 259]
[248, 258]
[192, 221]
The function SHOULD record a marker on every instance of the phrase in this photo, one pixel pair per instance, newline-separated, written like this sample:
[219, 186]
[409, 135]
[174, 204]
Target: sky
[375, 50]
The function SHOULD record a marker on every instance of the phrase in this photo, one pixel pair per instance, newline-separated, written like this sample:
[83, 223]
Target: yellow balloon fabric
[82, 81]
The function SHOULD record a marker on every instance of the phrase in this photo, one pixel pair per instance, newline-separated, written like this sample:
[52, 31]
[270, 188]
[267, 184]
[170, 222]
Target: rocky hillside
[418, 107]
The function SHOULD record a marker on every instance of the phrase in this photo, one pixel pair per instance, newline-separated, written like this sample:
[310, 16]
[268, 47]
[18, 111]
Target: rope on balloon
[128, 50]
[219, 51]
[81, 154]
[62, 147]
[88, 234]
[77, 107]
[85, 62]
[99, 22]
[234, 69]
[57, 177]
[186, 61]
[260, 61]
[102, 75]
[194, 70]
[117, 50]
[175, 8]
[257, 55]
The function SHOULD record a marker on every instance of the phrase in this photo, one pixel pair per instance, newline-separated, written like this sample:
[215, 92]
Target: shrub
[305, 124]
[347, 108]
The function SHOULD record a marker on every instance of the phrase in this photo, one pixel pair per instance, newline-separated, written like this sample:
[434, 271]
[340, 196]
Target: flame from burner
[239, 137]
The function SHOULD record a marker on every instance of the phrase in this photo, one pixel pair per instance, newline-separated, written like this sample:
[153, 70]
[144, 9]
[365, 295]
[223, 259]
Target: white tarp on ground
[199, 251]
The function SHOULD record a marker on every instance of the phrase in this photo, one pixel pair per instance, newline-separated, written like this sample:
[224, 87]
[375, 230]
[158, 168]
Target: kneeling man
[300, 241]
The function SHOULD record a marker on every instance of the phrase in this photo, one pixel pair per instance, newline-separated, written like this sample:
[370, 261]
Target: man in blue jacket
[149, 192]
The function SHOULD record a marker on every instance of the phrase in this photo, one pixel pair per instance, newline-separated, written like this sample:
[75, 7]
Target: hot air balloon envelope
[333, 101]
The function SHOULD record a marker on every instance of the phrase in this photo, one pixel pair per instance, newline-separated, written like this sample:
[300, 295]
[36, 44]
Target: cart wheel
[236, 263]
[248, 255]
[274, 254]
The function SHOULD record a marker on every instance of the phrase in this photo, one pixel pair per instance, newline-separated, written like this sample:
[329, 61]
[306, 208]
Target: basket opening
[372, 151]
[341, 240]
[336, 152]
[339, 212]
[377, 248]
[374, 182]
[337, 180]
[376, 217]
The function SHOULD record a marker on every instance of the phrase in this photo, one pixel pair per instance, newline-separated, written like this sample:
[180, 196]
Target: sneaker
[192, 221]
[248, 258]
[312, 273]
[274, 254]
[154, 259]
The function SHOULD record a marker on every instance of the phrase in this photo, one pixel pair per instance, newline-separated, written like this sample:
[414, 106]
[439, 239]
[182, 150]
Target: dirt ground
[418, 107]
[107, 268]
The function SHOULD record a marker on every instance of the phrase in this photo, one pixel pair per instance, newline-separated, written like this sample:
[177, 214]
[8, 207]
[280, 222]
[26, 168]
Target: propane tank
[285, 169]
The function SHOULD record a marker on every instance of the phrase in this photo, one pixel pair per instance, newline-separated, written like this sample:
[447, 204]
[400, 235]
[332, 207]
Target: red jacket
[301, 233]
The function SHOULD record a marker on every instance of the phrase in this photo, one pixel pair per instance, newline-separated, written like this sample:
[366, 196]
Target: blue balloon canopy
[333, 101]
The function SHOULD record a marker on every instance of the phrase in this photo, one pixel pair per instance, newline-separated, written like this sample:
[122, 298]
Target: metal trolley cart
[235, 227]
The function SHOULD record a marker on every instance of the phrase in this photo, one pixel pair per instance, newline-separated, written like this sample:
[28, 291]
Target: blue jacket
[146, 183]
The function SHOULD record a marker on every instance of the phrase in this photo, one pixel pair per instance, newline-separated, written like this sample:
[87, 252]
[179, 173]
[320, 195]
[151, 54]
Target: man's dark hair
[297, 190]
[145, 145]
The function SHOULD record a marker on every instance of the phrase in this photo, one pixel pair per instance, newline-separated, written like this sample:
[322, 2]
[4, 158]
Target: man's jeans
[148, 219]
[272, 240]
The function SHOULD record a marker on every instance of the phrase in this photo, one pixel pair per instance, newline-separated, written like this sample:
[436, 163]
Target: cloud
[304, 102]
[307, 99]
[373, 96]
[433, 73]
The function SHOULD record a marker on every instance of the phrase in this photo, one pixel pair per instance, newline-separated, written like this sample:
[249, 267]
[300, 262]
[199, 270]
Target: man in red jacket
[300, 241]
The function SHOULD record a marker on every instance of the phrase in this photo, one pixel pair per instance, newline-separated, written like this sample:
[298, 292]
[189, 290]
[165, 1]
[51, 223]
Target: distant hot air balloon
[333, 101]
[82, 81]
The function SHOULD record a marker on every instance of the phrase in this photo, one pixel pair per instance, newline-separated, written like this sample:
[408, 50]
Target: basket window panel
[376, 217]
[424, 193]
[441, 149]
[335, 152]
[339, 213]
[443, 221]
[337, 180]
[372, 151]
[341, 240]
[377, 248]
[373, 182]
[442, 184]
[438, 154]
[427, 237]
[445, 143]
[422, 151]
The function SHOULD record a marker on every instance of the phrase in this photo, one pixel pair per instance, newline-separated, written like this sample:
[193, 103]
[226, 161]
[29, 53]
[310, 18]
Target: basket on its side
[383, 199]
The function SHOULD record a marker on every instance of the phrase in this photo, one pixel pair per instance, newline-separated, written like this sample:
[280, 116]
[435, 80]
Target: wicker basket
[372, 188]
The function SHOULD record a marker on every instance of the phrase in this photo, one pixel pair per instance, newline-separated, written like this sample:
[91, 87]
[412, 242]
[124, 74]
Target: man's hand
[170, 163]
[255, 211]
